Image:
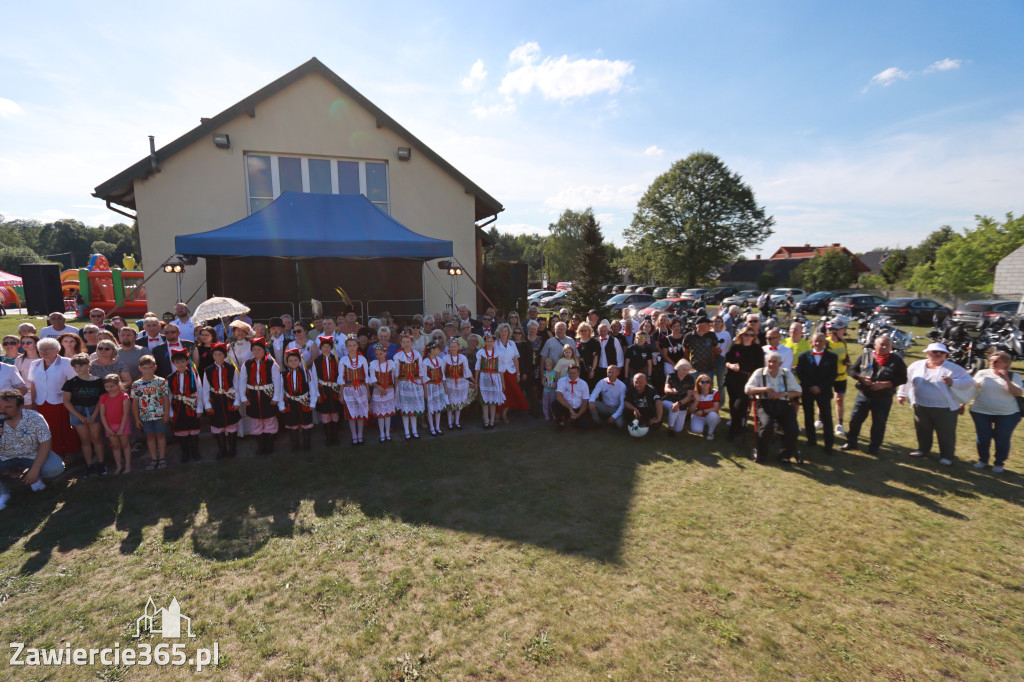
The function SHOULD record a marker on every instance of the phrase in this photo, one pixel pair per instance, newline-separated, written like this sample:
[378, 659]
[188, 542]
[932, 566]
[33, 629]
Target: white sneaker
[980, 465]
[945, 462]
[38, 485]
[3, 500]
[840, 431]
[916, 453]
[998, 470]
[711, 436]
[818, 426]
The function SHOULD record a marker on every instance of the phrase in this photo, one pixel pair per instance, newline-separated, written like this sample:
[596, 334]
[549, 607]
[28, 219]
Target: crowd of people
[112, 385]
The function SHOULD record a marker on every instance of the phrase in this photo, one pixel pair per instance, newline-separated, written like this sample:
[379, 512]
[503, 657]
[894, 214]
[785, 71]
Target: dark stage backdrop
[272, 286]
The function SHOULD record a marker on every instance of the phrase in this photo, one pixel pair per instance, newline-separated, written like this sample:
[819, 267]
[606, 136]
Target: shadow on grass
[570, 496]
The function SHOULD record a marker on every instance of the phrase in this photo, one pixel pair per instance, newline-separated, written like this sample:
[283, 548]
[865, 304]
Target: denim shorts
[87, 411]
[155, 426]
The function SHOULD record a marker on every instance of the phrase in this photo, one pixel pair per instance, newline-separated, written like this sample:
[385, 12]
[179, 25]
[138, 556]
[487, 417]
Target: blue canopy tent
[304, 246]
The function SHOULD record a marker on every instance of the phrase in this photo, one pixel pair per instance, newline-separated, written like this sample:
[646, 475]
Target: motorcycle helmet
[636, 429]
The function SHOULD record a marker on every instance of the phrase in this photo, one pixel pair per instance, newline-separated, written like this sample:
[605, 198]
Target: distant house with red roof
[745, 273]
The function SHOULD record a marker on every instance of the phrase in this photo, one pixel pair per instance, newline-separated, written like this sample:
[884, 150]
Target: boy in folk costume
[186, 404]
[262, 377]
[355, 392]
[328, 406]
[489, 380]
[299, 395]
[433, 387]
[240, 350]
[382, 380]
[408, 384]
[457, 379]
[220, 396]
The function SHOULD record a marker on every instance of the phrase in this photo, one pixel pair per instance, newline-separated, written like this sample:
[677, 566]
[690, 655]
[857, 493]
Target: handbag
[1020, 398]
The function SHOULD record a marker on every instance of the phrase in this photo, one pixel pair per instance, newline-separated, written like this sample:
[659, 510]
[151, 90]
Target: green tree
[11, 258]
[695, 218]
[831, 270]
[967, 261]
[767, 279]
[894, 265]
[591, 271]
[562, 248]
[107, 249]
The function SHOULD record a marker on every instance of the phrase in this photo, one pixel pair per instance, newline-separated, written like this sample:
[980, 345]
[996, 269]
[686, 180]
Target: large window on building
[267, 175]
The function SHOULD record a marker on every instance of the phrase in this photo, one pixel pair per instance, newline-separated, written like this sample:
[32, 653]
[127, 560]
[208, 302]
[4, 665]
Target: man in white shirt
[10, 378]
[774, 345]
[608, 399]
[774, 388]
[58, 326]
[150, 337]
[186, 327]
[571, 397]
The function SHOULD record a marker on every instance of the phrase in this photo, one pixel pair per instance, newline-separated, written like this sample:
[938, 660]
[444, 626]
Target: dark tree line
[31, 241]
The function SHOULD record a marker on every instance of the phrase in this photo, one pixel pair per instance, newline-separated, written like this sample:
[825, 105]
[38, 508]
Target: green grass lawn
[527, 554]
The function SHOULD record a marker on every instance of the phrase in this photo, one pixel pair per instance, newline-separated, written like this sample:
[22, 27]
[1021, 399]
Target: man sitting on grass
[25, 444]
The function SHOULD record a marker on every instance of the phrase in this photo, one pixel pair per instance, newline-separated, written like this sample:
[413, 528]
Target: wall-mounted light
[222, 140]
[404, 153]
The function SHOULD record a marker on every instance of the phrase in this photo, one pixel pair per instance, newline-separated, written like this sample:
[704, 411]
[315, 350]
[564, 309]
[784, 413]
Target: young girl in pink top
[114, 417]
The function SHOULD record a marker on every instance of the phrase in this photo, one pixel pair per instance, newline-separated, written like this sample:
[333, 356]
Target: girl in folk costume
[355, 391]
[220, 396]
[408, 384]
[508, 365]
[186, 404]
[457, 379]
[328, 368]
[382, 380]
[297, 400]
[488, 380]
[433, 386]
[261, 395]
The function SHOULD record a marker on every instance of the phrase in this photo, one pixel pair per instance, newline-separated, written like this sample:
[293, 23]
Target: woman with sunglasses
[106, 362]
[12, 346]
[307, 346]
[995, 410]
[743, 358]
[24, 361]
[90, 335]
[704, 410]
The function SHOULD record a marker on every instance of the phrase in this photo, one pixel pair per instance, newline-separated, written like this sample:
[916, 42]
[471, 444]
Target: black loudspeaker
[42, 288]
[518, 273]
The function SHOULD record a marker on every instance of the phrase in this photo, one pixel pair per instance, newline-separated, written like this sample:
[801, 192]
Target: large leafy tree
[591, 270]
[967, 261]
[695, 218]
[562, 248]
[831, 270]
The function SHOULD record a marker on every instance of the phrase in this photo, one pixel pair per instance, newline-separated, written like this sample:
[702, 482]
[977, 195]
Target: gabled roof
[303, 225]
[873, 260]
[120, 190]
[750, 270]
[808, 251]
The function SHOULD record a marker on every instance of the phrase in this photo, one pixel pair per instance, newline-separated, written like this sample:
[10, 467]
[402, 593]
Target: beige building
[309, 131]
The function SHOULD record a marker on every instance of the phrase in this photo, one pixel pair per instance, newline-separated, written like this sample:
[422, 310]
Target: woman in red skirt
[508, 365]
[46, 377]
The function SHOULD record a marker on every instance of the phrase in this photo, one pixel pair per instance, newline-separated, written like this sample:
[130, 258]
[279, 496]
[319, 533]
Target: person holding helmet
[837, 344]
[643, 402]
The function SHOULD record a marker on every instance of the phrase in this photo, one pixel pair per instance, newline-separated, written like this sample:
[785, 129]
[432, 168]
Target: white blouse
[48, 384]
[506, 356]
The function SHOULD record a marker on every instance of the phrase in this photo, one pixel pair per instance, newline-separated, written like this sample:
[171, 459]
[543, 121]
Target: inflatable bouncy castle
[116, 291]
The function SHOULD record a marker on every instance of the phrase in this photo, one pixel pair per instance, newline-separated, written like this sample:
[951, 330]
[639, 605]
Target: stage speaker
[518, 273]
[42, 288]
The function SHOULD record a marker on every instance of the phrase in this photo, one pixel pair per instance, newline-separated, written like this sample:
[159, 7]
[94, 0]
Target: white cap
[941, 347]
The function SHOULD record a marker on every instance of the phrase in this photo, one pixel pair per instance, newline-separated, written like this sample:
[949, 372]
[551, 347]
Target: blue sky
[868, 123]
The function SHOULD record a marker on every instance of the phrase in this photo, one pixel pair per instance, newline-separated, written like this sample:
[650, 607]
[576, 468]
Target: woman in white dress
[457, 379]
[409, 386]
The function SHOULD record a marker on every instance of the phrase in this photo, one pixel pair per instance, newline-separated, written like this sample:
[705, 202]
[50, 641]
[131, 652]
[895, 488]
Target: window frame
[275, 176]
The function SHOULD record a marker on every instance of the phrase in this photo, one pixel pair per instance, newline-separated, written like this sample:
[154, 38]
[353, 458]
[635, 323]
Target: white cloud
[600, 196]
[522, 228]
[9, 108]
[654, 150]
[562, 79]
[887, 77]
[481, 111]
[477, 76]
[946, 64]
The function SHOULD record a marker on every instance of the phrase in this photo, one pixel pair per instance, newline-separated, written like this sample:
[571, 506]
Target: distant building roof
[874, 259]
[750, 270]
[808, 251]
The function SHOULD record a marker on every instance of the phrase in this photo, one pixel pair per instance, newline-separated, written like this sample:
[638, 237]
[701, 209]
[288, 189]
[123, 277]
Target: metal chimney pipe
[152, 155]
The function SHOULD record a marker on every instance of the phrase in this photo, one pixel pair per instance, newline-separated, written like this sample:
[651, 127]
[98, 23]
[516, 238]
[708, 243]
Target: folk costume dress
[456, 379]
[186, 401]
[355, 391]
[263, 391]
[298, 398]
[491, 383]
[327, 370]
[507, 354]
[220, 396]
[408, 379]
[382, 403]
[433, 383]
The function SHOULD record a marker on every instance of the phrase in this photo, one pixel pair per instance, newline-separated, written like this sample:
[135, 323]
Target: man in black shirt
[700, 346]
[817, 370]
[643, 402]
[878, 375]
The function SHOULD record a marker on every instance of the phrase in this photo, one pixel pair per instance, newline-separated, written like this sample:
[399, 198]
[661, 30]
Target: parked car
[673, 306]
[696, 293]
[617, 289]
[781, 294]
[817, 303]
[536, 296]
[660, 292]
[716, 295]
[564, 286]
[854, 304]
[624, 300]
[973, 313]
[556, 300]
[743, 298]
[914, 311]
